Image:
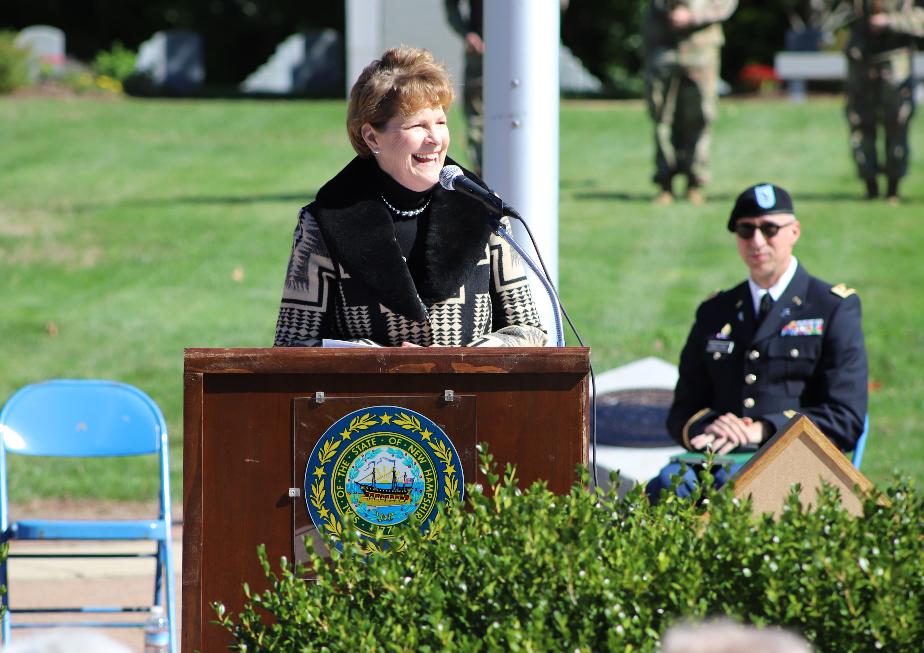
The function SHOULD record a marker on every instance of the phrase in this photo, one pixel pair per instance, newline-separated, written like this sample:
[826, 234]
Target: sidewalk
[88, 581]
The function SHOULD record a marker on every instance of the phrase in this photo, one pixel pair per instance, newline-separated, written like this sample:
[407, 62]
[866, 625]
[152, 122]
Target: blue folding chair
[85, 418]
[858, 450]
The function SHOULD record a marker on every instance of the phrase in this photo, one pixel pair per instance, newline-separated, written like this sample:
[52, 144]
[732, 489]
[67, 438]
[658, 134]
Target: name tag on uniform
[813, 327]
[714, 345]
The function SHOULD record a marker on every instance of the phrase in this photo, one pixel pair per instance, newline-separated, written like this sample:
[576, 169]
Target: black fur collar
[359, 233]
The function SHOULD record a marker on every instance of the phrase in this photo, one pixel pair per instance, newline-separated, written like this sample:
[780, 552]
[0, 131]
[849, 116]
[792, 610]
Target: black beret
[758, 200]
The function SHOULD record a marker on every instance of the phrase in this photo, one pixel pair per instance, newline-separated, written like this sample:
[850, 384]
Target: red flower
[57, 59]
[757, 76]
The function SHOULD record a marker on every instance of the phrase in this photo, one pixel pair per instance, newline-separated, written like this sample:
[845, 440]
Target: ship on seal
[386, 494]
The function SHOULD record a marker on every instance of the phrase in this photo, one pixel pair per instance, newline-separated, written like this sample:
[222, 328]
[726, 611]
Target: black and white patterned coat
[347, 280]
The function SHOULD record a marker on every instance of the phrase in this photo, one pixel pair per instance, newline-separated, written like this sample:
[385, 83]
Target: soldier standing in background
[682, 41]
[880, 87]
[467, 22]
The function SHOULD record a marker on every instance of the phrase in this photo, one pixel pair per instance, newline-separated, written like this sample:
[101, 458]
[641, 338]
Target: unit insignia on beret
[765, 196]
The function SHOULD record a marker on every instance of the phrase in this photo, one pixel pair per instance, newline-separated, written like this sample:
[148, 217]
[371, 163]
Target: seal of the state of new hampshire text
[382, 465]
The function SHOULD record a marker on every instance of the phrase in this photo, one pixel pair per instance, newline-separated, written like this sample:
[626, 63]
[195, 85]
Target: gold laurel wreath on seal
[329, 449]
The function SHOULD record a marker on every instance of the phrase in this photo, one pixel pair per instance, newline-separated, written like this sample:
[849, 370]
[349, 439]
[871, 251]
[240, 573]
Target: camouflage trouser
[682, 101]
[880, 92]
[473, 105]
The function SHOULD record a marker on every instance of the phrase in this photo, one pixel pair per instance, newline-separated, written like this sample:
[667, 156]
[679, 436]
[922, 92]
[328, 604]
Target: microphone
[452, 178]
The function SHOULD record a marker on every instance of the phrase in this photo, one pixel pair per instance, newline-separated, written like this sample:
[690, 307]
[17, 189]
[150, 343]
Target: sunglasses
[745, 230]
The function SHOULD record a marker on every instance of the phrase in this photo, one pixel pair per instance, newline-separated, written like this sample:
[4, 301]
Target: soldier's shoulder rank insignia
[843, 291]
[382, 466]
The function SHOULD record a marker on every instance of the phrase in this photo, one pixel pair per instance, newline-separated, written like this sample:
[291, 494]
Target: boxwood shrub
[526, 570]
[14, 63]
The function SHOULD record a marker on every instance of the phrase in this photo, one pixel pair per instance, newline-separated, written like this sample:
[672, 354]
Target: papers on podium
[332, 342]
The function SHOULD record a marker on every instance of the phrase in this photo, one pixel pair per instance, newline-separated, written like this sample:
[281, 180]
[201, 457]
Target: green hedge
[14, 63]
[526, 570]
[118, 62]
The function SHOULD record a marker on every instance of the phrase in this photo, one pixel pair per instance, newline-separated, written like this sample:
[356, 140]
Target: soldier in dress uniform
[880, 87]
[468, 23]
[780, 343]
[682, 42]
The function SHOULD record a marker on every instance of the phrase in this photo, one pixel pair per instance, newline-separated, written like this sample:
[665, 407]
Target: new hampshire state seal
[382, 465]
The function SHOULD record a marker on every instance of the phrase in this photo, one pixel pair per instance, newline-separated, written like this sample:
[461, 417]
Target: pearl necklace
[406, 214]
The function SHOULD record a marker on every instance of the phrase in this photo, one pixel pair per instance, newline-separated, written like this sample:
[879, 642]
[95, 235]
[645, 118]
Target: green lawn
[132, 229]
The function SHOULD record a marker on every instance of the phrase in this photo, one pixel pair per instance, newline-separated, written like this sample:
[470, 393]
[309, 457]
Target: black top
[410, 231]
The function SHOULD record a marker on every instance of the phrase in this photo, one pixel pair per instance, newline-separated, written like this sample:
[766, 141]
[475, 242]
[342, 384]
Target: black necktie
[766, 303]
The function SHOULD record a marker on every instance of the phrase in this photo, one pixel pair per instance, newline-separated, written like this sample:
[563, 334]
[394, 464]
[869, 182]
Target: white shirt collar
[777, 289]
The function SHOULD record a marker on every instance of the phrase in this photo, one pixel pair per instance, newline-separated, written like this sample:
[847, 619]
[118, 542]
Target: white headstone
[573, 77]
[650, 372]
[172, 61]
[46, 46]
[305, 63]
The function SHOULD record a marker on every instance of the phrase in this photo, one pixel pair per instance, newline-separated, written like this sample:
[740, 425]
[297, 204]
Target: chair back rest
[860, 448]
[81, 418]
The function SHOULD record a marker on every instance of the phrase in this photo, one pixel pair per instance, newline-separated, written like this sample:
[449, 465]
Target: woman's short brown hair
[403, 81]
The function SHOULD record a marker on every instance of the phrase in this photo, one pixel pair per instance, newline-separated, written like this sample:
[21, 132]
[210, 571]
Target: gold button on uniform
[750, 379]
[794, 353]
[716, 355]
[749, 402]
[753, 355]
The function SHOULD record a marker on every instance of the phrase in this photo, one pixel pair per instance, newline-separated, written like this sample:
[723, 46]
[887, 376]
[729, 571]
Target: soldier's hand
[473, 43]
[878, 22]
[681, 18]
[728, 432]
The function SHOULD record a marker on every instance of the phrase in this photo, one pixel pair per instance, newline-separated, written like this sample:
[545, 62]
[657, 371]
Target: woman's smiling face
[411, 149]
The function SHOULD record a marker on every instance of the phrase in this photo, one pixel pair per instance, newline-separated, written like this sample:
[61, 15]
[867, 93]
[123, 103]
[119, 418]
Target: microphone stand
[556, 312]
[549, 288]
[447, 176]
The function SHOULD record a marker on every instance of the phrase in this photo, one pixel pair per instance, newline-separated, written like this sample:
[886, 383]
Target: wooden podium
[243, 407]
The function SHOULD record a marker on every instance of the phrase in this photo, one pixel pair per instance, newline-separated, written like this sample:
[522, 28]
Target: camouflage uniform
[472, 91]
[681, 85]
[880, 86]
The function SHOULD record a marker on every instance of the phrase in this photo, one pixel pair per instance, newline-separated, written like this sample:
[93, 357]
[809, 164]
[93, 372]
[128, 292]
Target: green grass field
[132, 229]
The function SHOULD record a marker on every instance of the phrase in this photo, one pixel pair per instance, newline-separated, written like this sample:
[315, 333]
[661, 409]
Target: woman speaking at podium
[385, 256]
